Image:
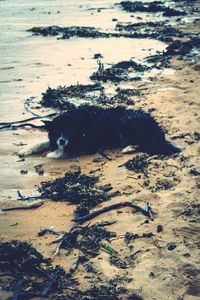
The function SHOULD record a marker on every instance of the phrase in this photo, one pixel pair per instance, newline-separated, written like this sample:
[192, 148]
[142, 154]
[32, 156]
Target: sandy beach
[164, 265]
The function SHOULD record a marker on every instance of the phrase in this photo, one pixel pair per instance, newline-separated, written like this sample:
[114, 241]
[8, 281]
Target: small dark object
[98, 55]
[159, 228]
[138, 164]
[46, 230]
[114, 260]
[171, 247]
[23, 172]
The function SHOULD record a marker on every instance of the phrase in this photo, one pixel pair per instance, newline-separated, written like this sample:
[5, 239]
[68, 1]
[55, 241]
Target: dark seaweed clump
[151, 7]
[119, 72]
[29, 275]
[69, 32]
[58, 98]
[78, 189]
[154, 30]
[182, 48]
[138, 164]
[93, 93]
[87, 239]
[129, 236]
[176, 48]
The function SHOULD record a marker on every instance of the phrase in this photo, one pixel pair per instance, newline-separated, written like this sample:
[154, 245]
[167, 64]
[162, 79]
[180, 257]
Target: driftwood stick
[32, 206]
[23, 198]
[29, 119]
[57, 250]
[109, 208]
[21, 126]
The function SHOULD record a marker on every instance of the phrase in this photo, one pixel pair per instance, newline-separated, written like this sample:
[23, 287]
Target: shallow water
[29, 64]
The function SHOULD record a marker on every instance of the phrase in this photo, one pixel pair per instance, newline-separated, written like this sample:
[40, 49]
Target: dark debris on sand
[77, 188]
[151, 7]
[154, 30]
[65, 98]
[122, 71]
[59, 97]
[69, 32]
[138, 164]
[87, 239]
[28, 275]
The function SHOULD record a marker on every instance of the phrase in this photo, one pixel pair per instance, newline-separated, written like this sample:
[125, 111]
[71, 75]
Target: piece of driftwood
[31, 206]
[57, 250]
[109, 208]
[21, 126]
[5, 125]
[23, 198]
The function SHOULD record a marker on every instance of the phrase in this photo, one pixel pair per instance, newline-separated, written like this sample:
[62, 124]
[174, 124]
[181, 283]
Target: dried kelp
[69, 32]
[151, 7]
[78, 189]
[87, 239]
[154, 30]
[59, 97]
[122, 71]
[129, 236]
[29, 275]
[138, 164]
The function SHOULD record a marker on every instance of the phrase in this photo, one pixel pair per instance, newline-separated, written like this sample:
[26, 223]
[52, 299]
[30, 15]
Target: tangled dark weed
[58, 98]
[26, 273]
[87, 239]
[138, 164]
[78, 189]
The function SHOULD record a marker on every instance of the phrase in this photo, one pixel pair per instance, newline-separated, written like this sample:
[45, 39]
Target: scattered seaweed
[122, 71]
[154, 30]
[151, 7]
[78, 189]
[29, 275]
[59, 97]
[129, 236]
[182, 48]
[138, 164]
[69, 32]
[87, 239]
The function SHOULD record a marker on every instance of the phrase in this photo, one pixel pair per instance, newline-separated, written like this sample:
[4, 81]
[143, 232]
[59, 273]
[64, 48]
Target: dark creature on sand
[90, 128]
[87, 129]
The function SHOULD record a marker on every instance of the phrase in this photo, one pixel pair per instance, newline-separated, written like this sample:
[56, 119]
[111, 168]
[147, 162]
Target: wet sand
[156, 272]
